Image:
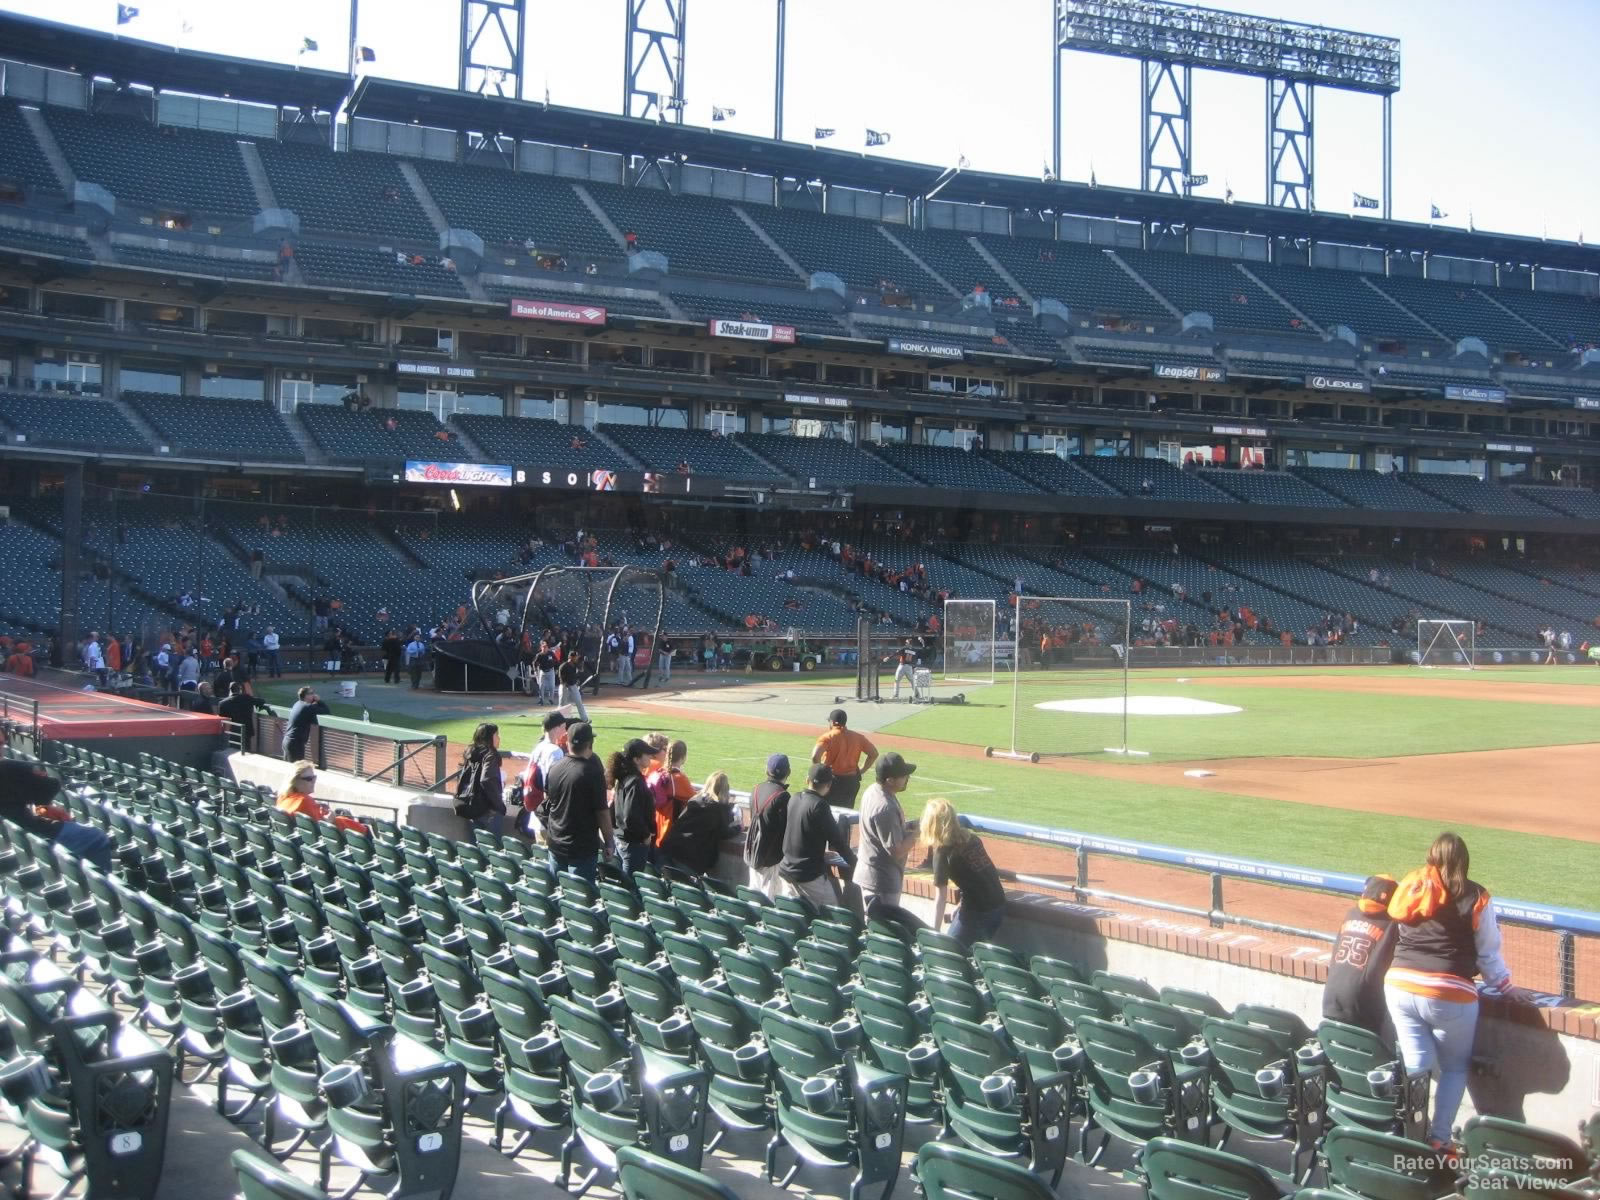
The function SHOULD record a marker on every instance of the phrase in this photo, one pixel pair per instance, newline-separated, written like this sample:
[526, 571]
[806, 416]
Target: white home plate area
[1142, 706]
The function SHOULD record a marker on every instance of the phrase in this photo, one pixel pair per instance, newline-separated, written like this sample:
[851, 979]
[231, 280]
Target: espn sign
[751, 331]
[557, 310]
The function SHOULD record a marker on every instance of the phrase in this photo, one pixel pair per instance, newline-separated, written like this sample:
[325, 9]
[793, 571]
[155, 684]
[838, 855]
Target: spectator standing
[1448, 934]
[577, 821]
[569, 674]
[809, 833]
[416, 653]
[769, 813]
[479, 790]
[241, 706]
[269, 646]
[885, 840]
[204, 701]
[1361, 956]
[27, 800]
[670, 787]
[296, 799]
[188, 672]
[959, 858]
[308, 706]
[94, 660]
[631, 803]
[393, 650]
[847, 754]
[694, 843]
[550, 749]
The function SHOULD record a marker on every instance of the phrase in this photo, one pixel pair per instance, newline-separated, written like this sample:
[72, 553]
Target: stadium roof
[447, 108]
[167, 68]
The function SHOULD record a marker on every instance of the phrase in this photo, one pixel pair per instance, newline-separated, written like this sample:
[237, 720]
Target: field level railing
[1570, 928]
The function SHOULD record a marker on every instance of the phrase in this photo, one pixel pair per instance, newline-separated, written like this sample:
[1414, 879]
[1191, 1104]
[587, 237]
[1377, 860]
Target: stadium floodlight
[1172, 40]
[1188, 35]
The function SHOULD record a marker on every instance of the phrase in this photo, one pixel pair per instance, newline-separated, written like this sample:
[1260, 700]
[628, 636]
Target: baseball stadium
[1104, 616]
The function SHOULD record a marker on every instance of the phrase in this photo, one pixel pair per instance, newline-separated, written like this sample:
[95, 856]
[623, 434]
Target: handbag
[470, 804]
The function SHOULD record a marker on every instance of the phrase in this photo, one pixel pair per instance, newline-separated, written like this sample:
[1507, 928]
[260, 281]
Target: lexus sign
[751, 331]
[1192, 372]
[558, 310]
[1336, 383]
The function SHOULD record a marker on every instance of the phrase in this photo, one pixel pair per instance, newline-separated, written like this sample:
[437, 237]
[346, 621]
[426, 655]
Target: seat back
[1182, 1171]
[1384, 1167]
[1496, 1143]
[645, 1176]
[261, 1178]
[951, 1172]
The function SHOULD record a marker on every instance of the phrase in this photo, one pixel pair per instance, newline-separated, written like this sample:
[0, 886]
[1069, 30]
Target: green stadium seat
[957, 1173]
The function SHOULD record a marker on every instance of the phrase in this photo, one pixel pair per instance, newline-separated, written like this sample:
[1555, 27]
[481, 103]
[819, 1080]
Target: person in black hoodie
[694, 842]
[393, 648]
[1354, 991]
[632, 804]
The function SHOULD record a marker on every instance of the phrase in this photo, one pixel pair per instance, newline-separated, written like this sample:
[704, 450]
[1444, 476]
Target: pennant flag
[1046, 174]
[962, 164]
[307, 45]
[723, 114]
[1093, 182]
[188, 26]
[126, 13]
[365, 54]
[822, 133]
[1197, 180]
[1436, 213]
[875, 138]
[1360, 201]
[1227, 197]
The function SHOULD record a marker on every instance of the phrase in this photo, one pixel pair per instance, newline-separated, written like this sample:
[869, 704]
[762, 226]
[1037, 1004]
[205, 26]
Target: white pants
[903, 671]
[547, 687]
[765, 880]
[624, 669]
[574, 696]
[1435, 1033]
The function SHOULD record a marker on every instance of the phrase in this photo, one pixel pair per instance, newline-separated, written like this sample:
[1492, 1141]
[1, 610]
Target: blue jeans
[586, 866]
[1435, 1033]
[635, 856]
[968, 927]
[87, 842]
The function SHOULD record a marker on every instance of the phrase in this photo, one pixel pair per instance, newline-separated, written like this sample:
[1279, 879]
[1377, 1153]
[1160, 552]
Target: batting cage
[583, 605]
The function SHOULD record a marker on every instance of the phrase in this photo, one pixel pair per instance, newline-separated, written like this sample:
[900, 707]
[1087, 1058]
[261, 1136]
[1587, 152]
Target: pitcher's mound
[1142, 706]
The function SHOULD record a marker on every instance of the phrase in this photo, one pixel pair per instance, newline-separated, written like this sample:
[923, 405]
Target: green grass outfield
[1277, 721]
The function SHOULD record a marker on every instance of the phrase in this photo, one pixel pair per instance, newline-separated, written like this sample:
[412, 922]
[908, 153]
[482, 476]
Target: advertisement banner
[1252, 458]
[1204, 456]
[1190, 371]
[1481, 395]
[435, 370]
[467, 474]
[921, 349]
[751, 331]
[1587, 402]
[814, 401]
[1337, 383]
[557, 310]
[1240, 430]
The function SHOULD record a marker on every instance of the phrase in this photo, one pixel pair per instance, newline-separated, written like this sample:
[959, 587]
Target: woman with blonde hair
[1448, 934]
[959, 858]
[695, 840]
[296, 799]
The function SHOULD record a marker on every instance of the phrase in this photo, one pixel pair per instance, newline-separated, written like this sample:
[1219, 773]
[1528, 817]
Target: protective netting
[1070, 676]
[1447, 644]
[969, 651]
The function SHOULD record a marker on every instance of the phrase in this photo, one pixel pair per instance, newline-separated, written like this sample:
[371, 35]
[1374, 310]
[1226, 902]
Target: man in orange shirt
[842, 749]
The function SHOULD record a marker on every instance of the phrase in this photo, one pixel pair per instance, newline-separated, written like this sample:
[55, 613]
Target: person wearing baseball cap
[807, 836]
[886, 839]
[550, 749]
[1354, 991]
[577, 819]
[847, 754]
[769, 814]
